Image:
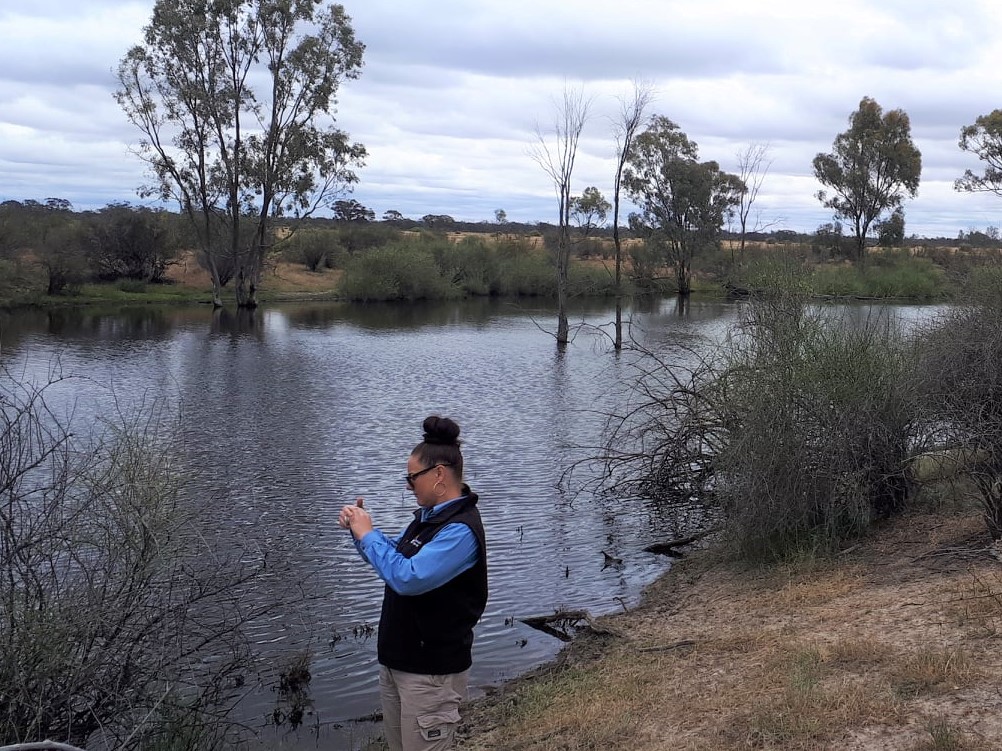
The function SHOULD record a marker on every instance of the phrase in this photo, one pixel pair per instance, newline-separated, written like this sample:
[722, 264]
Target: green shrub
[110, 614]
[842, 280]
[359, 237]
[891, 274]
[399, 271]
[133, 286]
[795, 434]
[819, 422]
[471, 264]
[315, 249]
[960, 380]
[591, 281]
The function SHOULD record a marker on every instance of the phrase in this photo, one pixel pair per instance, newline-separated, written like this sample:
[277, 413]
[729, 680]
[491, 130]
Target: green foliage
[984, 140]
[830, 242]
[589, 210]
[130, 243]
[471, 264]
[772, 271]
[872, 167]
[399, 271]
[524, 270]
[360, 237]
[817, 422]
[429, 267]
[647, 261]
[960, 377]
[314, 248]
[63, 255]
[891, 231]
[889, 275]
[795, 434]
[235, 100]
[350, 210]
[683, 202]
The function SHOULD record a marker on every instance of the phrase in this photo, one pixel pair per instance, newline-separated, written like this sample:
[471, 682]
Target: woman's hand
[356, 518]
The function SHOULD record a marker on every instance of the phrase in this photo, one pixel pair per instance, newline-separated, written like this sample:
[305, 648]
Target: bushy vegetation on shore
[808, 424]
[112, 623]
[50, 254]
[429, 267]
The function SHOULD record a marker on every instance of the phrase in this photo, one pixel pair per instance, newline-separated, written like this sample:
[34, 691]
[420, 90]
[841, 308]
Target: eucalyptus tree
[235, 100]
[589, 210]
[984, 140]
[625, 127]
[353, 211]
[683, 202]
[556, 152]
[872, 167]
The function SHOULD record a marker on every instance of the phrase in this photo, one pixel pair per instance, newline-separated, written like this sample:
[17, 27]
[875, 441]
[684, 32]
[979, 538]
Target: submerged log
[560, 623]
[669, 547]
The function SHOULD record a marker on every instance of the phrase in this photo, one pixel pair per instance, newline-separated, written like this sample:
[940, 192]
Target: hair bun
[441, 431]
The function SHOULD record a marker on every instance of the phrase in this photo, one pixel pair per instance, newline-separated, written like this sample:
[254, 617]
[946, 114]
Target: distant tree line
[118, 242]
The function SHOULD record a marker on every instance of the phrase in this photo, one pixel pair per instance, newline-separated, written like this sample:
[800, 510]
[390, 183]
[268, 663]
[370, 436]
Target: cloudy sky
[452, 93]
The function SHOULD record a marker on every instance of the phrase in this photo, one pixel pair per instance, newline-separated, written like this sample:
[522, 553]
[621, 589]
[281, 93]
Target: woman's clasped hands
[356, 518]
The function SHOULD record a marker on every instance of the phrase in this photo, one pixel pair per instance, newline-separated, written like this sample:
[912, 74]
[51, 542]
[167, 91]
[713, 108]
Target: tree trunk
[217, 286]
[246, 291]
[618, 343]
[563, 261]
[683, 277]
[248, 276]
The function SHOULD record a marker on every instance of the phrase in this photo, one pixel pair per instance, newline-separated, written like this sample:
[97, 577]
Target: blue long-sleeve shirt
[449, 553]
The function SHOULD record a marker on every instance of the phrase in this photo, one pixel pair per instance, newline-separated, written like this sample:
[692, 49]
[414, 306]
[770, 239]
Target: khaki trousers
[421, 712]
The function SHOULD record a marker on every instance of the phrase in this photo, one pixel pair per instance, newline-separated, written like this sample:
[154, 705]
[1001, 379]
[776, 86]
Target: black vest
[432, 634]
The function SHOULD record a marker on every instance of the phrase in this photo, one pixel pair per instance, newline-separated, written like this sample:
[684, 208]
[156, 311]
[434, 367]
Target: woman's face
[423, 481]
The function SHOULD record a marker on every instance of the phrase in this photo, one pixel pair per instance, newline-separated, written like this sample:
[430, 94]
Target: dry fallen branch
[669, 547]
[560, 623]
[684, 644]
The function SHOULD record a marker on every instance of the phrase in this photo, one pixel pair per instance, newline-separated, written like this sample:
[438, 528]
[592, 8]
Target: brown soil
[893, 646]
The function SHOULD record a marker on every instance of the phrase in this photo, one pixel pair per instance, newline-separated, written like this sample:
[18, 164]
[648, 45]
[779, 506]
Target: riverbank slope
[896, 645]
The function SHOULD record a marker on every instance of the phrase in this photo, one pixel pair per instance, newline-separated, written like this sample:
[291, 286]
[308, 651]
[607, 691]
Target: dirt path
[896, 646]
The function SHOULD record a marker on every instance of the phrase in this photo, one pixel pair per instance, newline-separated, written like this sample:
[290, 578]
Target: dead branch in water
[559, 624]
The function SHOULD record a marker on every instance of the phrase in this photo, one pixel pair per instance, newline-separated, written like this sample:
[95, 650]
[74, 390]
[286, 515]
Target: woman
[436, 590]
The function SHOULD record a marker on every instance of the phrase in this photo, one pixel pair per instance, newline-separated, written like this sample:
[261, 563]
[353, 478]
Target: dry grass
[279, 278]
[889, 648]
[978, 605]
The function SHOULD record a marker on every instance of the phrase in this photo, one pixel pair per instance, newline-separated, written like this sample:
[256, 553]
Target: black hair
[441, 444]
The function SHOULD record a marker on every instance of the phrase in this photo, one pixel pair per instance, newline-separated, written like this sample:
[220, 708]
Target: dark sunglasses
[415, 475]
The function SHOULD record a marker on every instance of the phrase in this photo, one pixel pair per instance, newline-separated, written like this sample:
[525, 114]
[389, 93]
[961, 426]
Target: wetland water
[292, 411]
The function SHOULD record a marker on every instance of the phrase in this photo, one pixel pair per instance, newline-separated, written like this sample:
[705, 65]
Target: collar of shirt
[427, 513]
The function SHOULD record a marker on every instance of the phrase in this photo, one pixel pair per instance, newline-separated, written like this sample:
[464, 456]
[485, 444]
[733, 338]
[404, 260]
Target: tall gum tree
[872, 167]
[683, 202]
[984, 140]
[236, 102]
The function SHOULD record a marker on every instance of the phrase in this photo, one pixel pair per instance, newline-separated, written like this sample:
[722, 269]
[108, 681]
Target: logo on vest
[416, 543]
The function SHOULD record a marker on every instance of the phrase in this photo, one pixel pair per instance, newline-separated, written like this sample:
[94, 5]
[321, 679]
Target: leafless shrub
[120, 622]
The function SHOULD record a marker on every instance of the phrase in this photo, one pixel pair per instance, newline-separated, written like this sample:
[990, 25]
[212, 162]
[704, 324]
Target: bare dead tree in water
[556, 152]
[631, 116]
